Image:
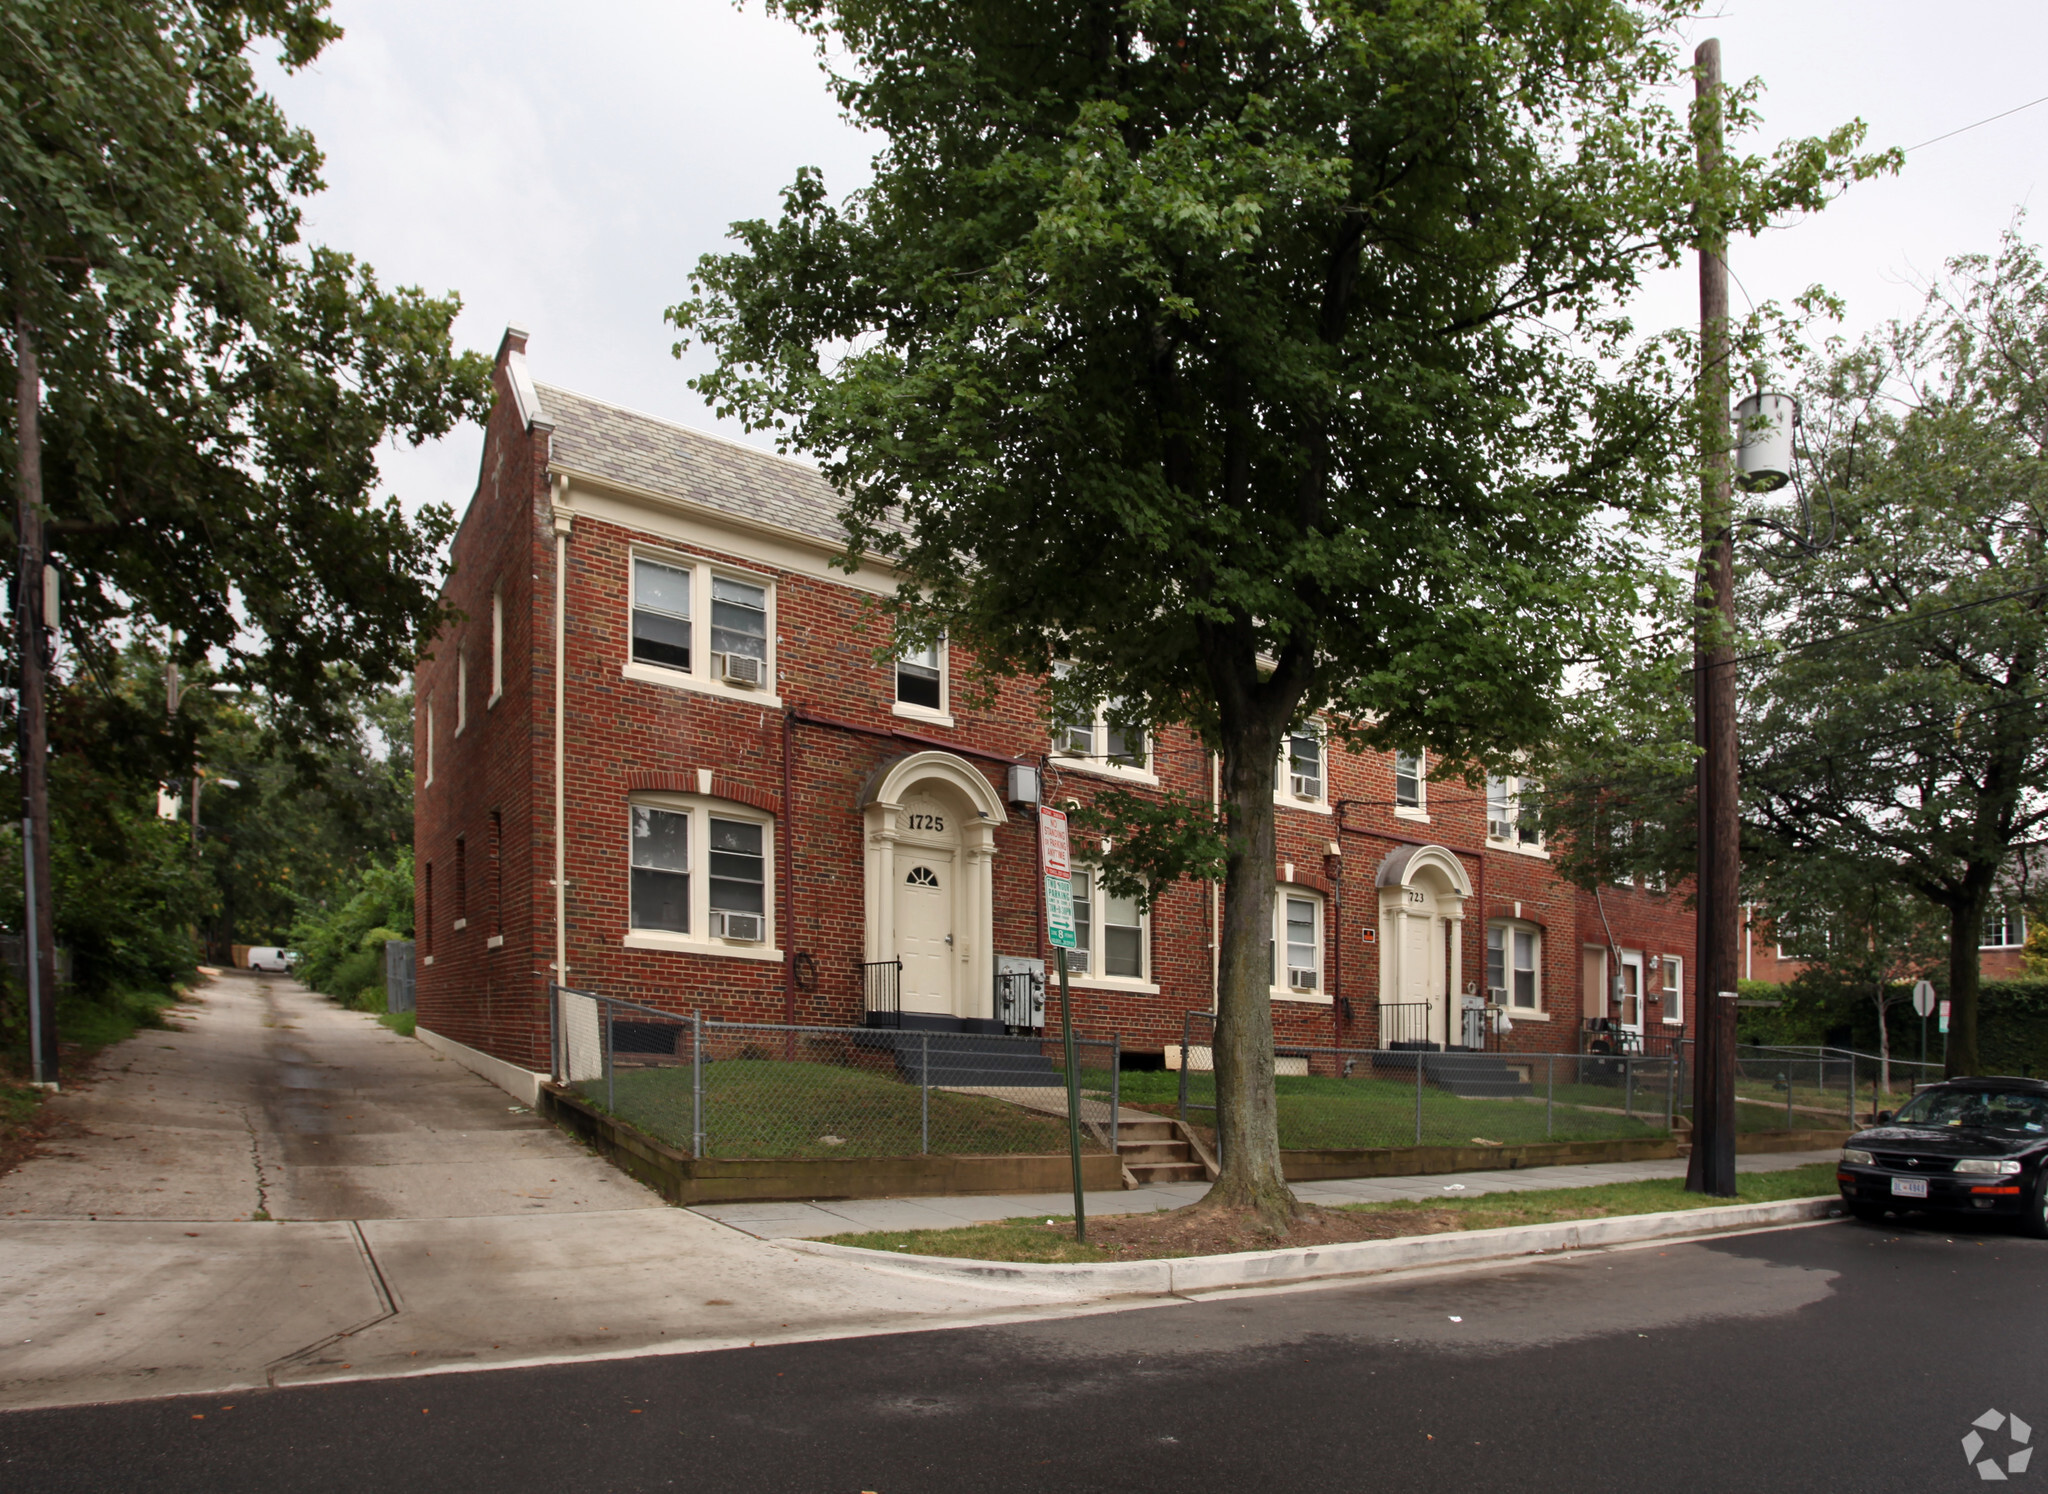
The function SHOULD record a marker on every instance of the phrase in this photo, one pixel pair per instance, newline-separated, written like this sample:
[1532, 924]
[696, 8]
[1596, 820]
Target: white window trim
[1281, 991]
[1509, 927]
[1418, 811]
[700, 807]
[1673, 1001]
[1284, 796]
[1099, 764]
[429, 783]
[943, 716]
[698, 676]
[2005, 913]
[497, 646]
[1144, 985]
[1513, 842]
[461, 691]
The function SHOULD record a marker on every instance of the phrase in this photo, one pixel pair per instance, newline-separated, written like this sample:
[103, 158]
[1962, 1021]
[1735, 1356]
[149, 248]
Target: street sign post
[1055, 864]
[1923, 1003]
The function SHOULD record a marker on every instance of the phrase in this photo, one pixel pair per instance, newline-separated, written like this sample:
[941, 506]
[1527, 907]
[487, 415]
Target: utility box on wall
[1020, 991]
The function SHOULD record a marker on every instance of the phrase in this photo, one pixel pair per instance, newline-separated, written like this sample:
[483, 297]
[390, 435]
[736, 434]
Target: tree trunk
[1965, 928]
[39, 942]
[1884, 1044]
[1247, 1113]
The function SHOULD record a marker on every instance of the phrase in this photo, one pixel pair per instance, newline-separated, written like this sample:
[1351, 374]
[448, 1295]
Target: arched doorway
[930, 820]
[1422, 891]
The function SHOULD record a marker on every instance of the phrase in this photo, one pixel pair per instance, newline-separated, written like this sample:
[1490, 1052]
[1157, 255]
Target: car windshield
[1978, 1110]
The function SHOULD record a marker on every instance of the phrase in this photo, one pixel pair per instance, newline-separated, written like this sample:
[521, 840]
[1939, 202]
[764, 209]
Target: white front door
[1631, 1012]
[924, 928]
[1422, 972]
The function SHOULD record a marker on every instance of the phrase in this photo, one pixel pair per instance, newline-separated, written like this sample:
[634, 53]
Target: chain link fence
[1340, 1098]
[759, 1089]
[1815, 1088]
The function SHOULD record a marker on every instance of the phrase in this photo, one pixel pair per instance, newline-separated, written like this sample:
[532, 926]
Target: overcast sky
[563, 166]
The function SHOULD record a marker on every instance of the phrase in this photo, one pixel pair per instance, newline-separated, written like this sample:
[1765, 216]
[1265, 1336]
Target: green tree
[214, 392]
[1898, 727]
[1222, 354]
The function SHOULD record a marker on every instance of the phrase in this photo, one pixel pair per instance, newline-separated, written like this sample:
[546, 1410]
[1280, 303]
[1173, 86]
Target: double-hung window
[661, 613]
[1302, 761]
[1506, 819]
[1512, 966]
[2004, 928]
[1674, 988]
[693, 625]
[1410, 782]
[1297, 944]
[699, 876]
[739, 905]
[661, 870]
[921, 678]
[739, 632]
[1097, 740]
[1109, 931]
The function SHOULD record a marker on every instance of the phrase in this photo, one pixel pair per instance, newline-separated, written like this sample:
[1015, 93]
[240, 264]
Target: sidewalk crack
[256, 1165]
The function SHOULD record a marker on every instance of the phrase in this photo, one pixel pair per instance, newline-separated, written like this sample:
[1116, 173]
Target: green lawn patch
[402, 1023]
[776, 1108]
[1319, 1112]
[1030, 1239]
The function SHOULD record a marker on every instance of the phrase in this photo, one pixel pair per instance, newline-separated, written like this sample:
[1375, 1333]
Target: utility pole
[38, 941]
[1711, 1168]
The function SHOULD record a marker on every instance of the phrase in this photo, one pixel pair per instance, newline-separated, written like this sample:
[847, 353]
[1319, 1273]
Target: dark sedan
[1975, 1146]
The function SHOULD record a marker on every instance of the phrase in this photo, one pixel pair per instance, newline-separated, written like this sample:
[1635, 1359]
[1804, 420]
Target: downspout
[788, 849]
[1333, 867]
[563, 519]
[1614, 952]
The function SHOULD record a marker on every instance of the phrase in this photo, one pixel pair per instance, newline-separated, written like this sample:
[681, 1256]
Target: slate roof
[610, 442]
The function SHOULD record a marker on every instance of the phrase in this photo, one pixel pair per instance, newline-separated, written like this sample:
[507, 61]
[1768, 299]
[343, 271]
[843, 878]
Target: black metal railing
[881, 984]
[1404, 1024]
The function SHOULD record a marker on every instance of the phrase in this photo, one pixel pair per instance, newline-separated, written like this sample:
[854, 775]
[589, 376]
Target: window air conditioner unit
[1301, 980]
[740, 669]
[1305, 787]
[744, 926]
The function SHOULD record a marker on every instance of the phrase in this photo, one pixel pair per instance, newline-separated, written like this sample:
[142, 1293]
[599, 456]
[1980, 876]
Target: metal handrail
[887, 1011]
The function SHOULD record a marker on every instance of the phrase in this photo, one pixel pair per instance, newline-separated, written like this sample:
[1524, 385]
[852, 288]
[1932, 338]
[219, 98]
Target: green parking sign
[1059, 912]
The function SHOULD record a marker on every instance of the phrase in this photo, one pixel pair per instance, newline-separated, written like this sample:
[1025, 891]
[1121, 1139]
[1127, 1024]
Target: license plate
[1909, 1187]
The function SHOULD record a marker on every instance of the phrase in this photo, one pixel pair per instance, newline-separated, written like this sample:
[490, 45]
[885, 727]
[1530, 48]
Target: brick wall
[625, 735]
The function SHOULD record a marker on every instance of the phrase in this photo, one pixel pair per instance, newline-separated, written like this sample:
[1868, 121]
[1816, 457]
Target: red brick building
[659, 757]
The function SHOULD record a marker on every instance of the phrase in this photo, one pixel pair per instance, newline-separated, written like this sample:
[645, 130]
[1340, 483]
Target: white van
[268, 957]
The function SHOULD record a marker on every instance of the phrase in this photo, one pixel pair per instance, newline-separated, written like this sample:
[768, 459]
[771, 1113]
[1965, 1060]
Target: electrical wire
[1965, 129]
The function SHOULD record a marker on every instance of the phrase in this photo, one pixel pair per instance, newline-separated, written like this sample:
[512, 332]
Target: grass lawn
[1326, 1112]
[1030, 1239]
[401, 1023]
[771, 1108]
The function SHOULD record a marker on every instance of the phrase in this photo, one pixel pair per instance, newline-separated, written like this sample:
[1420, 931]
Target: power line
[1963, 129]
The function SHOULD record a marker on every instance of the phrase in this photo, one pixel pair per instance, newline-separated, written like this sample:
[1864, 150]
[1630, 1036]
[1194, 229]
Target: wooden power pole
[1711, 1168]
[38, 934]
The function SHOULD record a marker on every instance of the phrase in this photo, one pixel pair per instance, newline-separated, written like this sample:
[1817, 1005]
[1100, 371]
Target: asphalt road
[1832, 1357]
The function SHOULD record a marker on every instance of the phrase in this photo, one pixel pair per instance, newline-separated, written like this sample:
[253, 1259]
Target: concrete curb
[1214, 1273]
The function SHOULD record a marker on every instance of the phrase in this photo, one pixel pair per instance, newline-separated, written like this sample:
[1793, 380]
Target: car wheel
[1869, 1213]
[2034, 1222]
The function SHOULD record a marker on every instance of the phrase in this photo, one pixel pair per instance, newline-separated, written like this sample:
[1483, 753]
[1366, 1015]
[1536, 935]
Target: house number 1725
[928, 822]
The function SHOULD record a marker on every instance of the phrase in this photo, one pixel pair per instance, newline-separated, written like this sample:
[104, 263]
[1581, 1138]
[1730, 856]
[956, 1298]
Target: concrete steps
[1154, 1152]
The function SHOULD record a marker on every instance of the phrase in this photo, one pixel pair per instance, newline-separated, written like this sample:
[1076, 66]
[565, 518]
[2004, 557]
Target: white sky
[564, 166]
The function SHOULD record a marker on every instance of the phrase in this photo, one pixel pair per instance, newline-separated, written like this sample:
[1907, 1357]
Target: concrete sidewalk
[813, 1221]
[279, 1191]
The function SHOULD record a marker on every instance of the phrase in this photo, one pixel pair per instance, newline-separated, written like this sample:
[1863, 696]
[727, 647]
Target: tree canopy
[1243, 361]
[1897, 725]
[215, 392]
